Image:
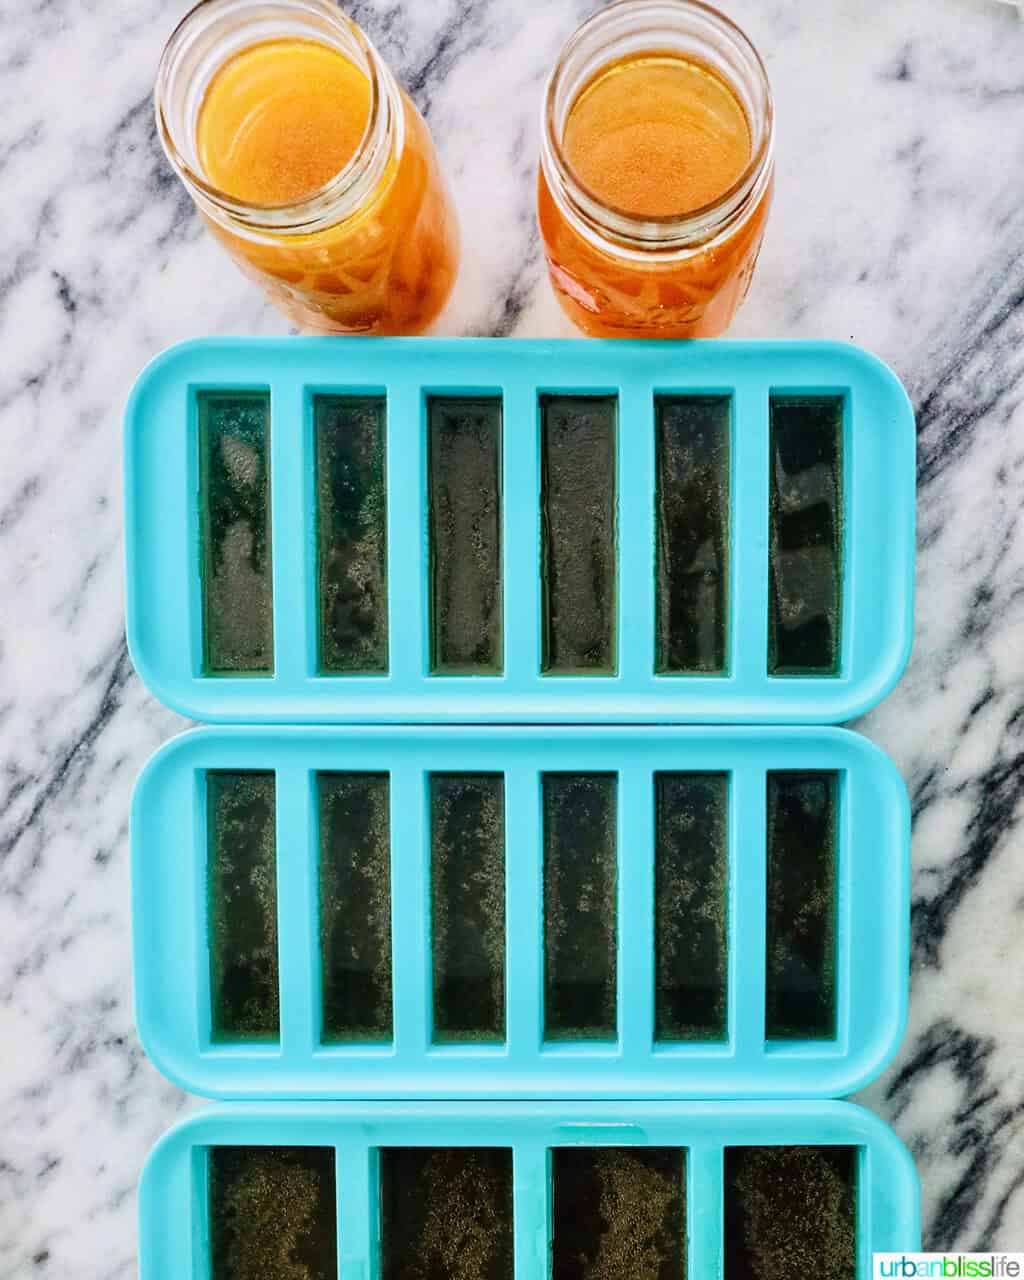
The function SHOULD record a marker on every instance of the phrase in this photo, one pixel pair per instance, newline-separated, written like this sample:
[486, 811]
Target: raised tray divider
[636, 531]
[705, 1200]
[747, 913]
[358, 1173]
[531, 1182]
[524, 919]
[749, 560]
[521, 459]
[292, 533]
[636, 967]
[298, 915]
[410, 912]
[408, 553]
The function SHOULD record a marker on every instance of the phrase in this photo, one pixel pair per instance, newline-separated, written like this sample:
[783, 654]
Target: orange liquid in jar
[653, 136]
[280, 119]
[278, 122]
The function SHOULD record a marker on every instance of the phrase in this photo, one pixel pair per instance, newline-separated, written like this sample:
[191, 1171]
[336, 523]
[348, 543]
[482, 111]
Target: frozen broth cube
[237, 588]
[352, 548]
[692, 510]
[806, 535]
[790, 1211]
[355, 905]
[801, 905]
[272, 1213]
[467, 887]
[580, 540]
[464, 470]
[580, 913]
[242, 896]
[618, 1212]
[691, 905]
[446, 1213]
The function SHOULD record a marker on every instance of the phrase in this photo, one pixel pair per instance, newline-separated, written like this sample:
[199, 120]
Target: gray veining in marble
[899, 223]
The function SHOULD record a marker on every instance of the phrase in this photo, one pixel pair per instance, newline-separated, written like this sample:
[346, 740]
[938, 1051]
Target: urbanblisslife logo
[947, 1266]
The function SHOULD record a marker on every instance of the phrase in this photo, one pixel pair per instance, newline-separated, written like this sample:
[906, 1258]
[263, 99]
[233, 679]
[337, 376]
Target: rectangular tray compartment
[525, 1140]
[486, 530]
[670, 997]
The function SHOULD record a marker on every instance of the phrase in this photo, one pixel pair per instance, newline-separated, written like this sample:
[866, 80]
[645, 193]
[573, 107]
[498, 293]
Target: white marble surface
[899, 223]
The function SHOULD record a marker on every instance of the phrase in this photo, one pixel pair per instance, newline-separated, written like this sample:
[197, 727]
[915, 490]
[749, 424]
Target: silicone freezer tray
[494, 530]
[393, 912]
[526, 1190]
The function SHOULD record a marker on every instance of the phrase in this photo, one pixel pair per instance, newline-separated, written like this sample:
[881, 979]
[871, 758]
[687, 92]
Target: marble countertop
[899, 223]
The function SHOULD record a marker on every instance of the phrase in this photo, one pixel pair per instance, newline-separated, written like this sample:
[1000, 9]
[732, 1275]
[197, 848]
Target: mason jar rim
[635, 23]
[256, 22]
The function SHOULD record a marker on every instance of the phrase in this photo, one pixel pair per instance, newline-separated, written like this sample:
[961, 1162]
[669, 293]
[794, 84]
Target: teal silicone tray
[539, 1183]
[412, 530]
[520, 912]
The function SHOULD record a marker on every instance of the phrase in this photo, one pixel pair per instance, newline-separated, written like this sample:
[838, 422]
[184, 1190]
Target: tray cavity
[790, 1210]
[242, 896]
[355, 905]
[691, 897]
[692, 504]
[464, 468]
[467, 886]
[447, 1213]
[806, 540]
[618, 1211]
[580, 911]
[238, 607]
[578, 519]
[352, 536]
[801, 934]
[272, 1213]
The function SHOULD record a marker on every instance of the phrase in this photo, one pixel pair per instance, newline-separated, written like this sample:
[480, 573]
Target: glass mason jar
[375, 249]
[619, 275]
